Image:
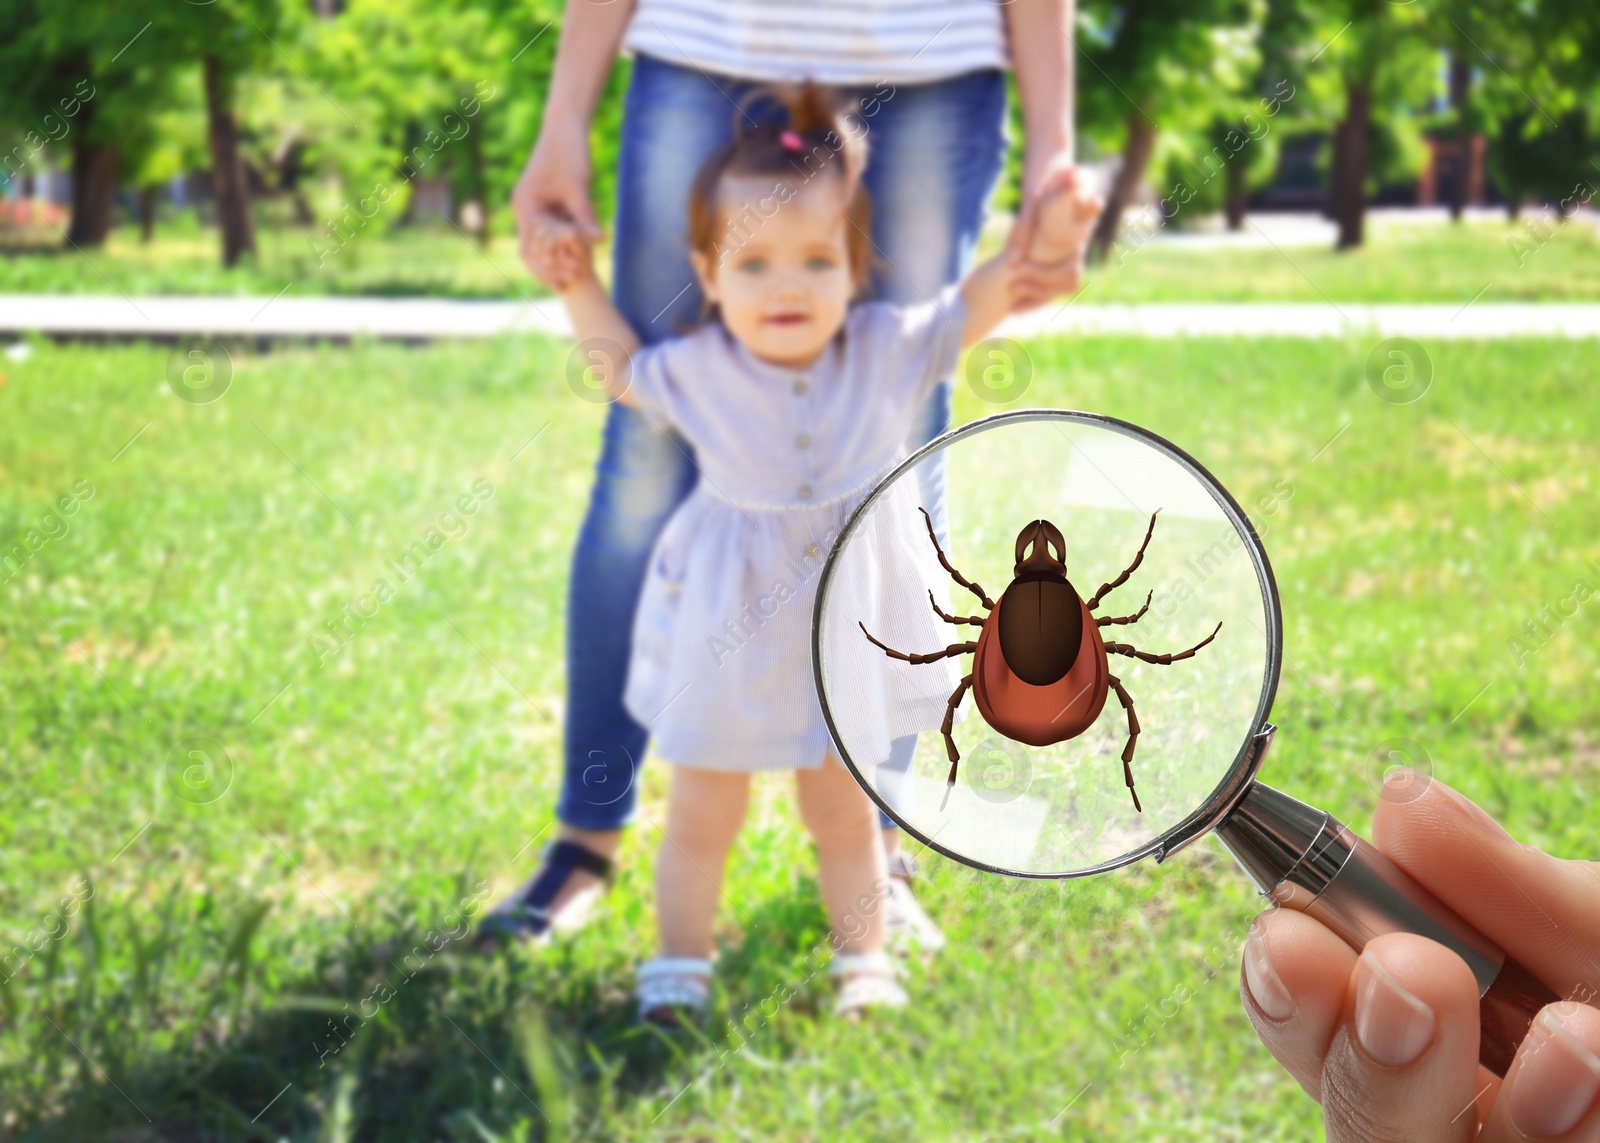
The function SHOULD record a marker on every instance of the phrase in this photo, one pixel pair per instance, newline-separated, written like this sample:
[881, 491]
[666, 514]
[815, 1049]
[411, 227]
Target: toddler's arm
[1066, 220]
[589, 307]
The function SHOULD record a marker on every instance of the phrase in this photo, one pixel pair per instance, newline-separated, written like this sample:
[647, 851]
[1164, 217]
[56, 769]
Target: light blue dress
[721, 663]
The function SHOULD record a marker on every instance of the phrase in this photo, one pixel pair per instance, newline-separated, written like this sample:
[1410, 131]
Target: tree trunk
[1141, 142]
[1460, 85]
[291, 174]
[480, 179]
[1238, 194]
[227, 169]
[1350, 170]
[147, 212]
[1334, 176]
[94, 188]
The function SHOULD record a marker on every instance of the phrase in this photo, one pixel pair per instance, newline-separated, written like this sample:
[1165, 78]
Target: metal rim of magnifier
[1240, 775]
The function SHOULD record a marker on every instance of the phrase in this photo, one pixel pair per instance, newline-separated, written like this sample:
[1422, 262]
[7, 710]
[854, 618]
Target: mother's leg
[935, 151]
[673, 118]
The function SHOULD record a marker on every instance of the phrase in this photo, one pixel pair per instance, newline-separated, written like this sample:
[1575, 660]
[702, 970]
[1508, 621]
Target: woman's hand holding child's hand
[1057, 236]
[1064, 224]
[564, 251]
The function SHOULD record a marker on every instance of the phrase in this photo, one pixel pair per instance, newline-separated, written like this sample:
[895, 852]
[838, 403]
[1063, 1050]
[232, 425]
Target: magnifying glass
[1073, 670]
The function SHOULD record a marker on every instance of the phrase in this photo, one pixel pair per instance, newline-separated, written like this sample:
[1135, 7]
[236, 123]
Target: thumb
[1403, 1063]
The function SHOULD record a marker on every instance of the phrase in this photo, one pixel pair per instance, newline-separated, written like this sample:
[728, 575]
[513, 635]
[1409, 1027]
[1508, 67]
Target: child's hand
[1066, 219]
[564, 250]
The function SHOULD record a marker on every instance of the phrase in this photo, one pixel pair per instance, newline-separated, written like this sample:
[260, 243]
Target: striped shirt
[830, 41]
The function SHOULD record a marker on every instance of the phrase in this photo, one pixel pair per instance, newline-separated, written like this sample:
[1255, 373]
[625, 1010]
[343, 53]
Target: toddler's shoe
[907, 926]
[673, 990]
[866, 980]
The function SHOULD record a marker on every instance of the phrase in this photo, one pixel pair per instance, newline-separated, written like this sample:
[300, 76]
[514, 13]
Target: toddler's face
[783, 275]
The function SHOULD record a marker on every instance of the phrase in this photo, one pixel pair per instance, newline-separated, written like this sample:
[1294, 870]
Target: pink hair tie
[791, 141]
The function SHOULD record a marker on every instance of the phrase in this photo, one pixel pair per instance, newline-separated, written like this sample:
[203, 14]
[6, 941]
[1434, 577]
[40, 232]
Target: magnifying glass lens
[1047, 678]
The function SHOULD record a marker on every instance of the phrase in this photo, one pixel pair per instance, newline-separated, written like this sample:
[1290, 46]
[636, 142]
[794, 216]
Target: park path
[421, 319]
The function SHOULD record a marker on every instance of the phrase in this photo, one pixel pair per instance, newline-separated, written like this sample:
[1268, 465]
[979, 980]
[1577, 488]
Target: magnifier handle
[1305, 859]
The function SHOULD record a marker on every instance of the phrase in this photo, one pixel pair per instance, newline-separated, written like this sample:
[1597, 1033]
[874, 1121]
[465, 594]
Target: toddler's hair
[817, 141]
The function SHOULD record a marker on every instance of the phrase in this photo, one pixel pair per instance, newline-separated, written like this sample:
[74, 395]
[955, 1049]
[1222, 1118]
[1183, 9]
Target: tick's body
[1033, 713]
[1040, 671]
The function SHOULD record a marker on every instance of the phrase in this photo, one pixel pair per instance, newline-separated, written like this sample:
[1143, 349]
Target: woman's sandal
[672, 990]
[866, 980]
[525, 915]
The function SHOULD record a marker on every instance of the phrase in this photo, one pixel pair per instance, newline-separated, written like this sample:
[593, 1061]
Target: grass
[183, 259]
[1400, 263]
[224, 926]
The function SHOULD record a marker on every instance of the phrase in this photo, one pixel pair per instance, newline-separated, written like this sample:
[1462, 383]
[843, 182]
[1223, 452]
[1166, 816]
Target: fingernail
[1392, 1025]
[1556, 1082]
[1481, 819]
[1266, 988]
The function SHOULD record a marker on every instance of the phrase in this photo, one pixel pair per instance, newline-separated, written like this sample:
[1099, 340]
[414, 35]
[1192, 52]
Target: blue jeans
[935, 150]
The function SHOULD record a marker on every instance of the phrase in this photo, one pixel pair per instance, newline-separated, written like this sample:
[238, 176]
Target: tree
[227, 39]
[1155, 64]
[447, 89]
[1376, 68]
[1271, 89]
[1533, 161]
[77, 76]
[1459, 28]
[1544, 123]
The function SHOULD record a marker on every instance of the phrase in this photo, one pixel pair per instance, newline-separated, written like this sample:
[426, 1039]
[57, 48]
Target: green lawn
[1400, 263]
[221, 923]
[439, 262]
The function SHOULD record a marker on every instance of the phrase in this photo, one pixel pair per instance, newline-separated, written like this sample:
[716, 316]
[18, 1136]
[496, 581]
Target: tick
[1040, 669]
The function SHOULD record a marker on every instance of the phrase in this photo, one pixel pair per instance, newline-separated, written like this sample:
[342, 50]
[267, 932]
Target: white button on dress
[721, 664]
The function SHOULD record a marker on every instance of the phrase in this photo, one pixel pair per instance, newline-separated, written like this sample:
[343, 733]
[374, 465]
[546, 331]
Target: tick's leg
[1133, 736]
[957, 576]
[949, 742]
[972, 619]
[1107, 620]
[1106, 588]
[948, 653]
[1134, 653]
